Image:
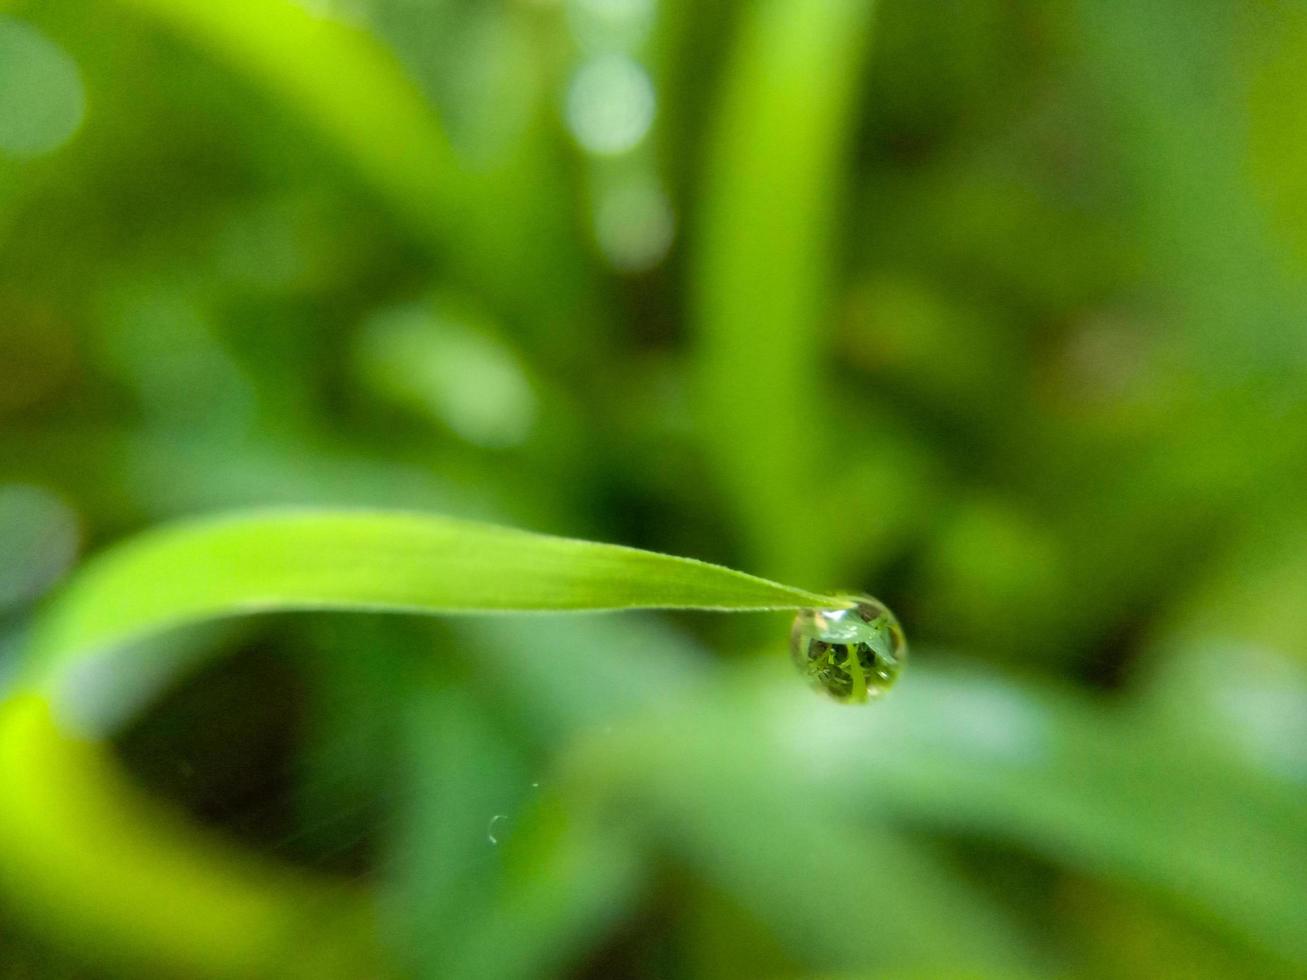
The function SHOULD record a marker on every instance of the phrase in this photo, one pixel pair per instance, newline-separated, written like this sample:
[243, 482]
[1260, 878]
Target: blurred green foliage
[997, 310]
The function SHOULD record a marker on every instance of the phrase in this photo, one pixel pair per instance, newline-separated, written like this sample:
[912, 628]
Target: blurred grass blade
[368, 560]
[89, 859]
[348, 86]
[1086, 787]
[764, 264]
[341, 79]
[460, 796]
[839, 891]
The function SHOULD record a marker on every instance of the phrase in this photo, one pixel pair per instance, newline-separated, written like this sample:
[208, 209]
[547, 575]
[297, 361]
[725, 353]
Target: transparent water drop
[497, 827]
[853, 654]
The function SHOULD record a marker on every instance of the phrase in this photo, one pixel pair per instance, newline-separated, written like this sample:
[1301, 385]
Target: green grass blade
[765, 265]
[91, 861]
[341, 80]
[369, 560]
[343, 83]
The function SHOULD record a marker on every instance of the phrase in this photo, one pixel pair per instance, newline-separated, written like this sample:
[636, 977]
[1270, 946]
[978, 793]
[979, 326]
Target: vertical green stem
[764, 261]
[858, 694]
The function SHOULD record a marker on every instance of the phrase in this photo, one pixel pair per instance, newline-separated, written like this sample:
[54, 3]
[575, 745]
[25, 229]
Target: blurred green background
[996, 309]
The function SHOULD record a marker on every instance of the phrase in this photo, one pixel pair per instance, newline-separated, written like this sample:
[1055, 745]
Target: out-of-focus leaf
[350, 87]
[1184, 103]
[705, 784]
[1228, 671]
[343, 81]
[764, 265]
[128, 478]
[1085, 787]
[569, 877]
[599, 670]
[124, 880]
[461, 788]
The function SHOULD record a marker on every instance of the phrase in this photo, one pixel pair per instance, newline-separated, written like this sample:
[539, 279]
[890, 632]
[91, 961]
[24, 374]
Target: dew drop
[496, 828]
[853, 654]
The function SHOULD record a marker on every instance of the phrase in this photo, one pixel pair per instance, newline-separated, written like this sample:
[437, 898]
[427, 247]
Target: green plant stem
[764, 265]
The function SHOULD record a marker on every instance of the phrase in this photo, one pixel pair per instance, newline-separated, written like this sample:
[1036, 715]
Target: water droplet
[852, 654]
[496, 828]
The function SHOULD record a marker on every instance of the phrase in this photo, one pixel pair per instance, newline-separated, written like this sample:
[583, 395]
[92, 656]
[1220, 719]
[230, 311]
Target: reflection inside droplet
[497, 828]
[853, 654]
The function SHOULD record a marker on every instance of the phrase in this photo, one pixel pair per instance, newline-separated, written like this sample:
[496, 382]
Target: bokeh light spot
[634, 224]
[448, 366]
[42, 101]
[39, 539]
[610, 105]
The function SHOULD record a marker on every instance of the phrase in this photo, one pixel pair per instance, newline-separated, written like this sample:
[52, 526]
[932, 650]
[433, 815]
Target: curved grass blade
[367, 560]
[68, 814]
[86, 854]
